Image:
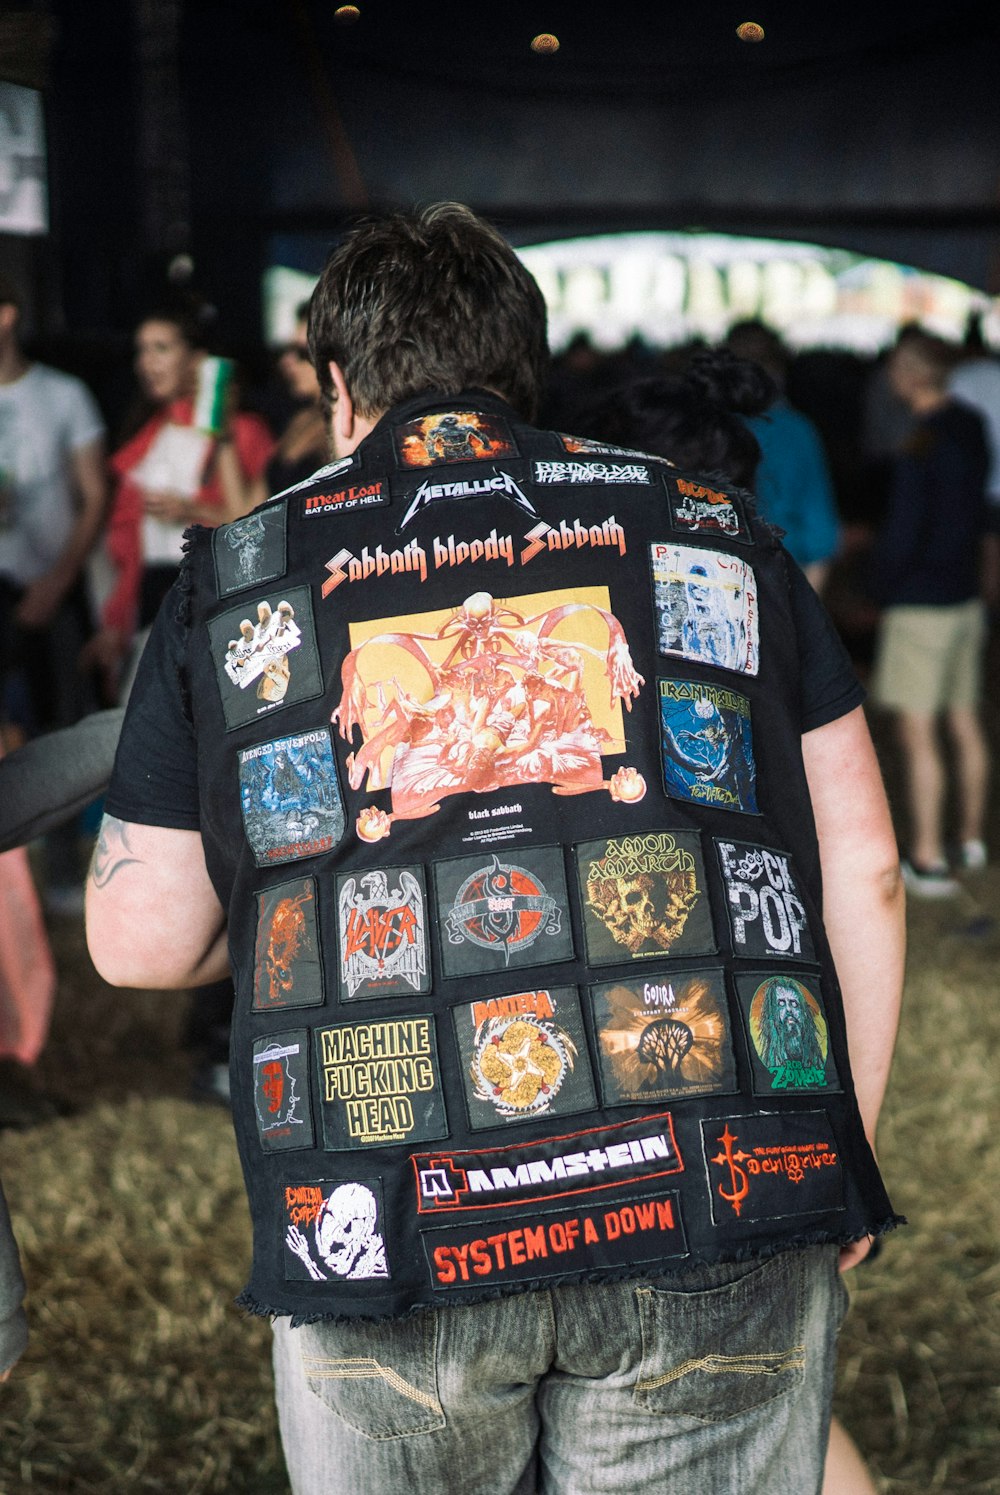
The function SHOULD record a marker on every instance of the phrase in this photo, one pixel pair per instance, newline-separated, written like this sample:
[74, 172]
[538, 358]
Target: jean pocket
[380, 1378]
[728, 1347]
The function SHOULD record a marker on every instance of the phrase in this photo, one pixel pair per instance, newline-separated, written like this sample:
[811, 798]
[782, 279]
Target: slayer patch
[788, 1034]
[250, 551]
[706, 607]
[334, 1231]
[281, 1091]
[644, 896]
[663, 1037]
[766, 914]
[453, 436]
[525, 1056]
[268, 663]
[712, 512]
[287, 970]
[707, 745]
[768, 1167]
[290, 798]
[382, 933]
[496, 914]
[379, 1083]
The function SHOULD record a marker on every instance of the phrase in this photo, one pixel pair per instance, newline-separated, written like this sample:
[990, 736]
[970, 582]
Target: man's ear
[342, 418]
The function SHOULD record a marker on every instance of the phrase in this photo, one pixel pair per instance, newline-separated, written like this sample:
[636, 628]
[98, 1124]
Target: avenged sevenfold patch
[644, 896]
[290, 797]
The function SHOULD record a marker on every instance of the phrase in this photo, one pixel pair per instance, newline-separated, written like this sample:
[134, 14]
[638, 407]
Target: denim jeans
[716, 1381]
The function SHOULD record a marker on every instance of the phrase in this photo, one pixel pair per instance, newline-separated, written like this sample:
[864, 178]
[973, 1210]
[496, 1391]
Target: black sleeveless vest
[501, 784]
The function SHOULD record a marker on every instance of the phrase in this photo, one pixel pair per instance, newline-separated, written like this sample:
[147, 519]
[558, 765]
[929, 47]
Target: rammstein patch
[525, 1056]
[768, 1167]
[712, 512]
[382, 939]
[706, 607]
[379, 1083]
[281, 1091]
[766, 914]
[287, 969]
[707, 745]
[663, 1037]
[453, 436]
[263, 665]
[250, 551]
[496, 914]
[335, 1230]
[290, 798]
[788, 1036]
[644, 896]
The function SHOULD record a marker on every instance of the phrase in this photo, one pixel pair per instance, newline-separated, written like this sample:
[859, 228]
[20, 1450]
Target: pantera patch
[498, 914]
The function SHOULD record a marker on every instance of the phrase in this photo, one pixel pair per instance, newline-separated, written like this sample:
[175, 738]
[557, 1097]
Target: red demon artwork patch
[453, 436]
[287, 969]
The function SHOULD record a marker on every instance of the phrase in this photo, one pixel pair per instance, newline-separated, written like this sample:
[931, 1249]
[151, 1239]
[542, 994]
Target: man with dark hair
[506, 1245]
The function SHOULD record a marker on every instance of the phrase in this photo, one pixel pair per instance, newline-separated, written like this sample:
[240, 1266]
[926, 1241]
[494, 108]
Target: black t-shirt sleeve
[155, 777]
[829, 686]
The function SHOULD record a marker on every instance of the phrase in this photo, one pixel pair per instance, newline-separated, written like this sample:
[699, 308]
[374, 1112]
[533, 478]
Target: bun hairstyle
[692, 418]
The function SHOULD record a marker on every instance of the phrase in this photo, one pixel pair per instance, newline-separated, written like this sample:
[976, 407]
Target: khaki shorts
[930, 658]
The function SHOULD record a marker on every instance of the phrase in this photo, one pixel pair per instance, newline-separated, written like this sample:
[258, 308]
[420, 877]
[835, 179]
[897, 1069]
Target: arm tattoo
[112, 852]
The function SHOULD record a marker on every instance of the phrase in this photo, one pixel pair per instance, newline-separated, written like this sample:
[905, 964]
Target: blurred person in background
[976, 382]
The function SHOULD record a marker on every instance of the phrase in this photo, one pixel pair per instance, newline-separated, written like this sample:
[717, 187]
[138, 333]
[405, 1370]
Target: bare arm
[41, 599]
[153, 917]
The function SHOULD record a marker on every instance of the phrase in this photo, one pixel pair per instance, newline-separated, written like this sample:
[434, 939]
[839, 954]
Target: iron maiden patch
[496, 914]
[250, 551]
[663, 1037]
[379, 1083]
[263, 665]
[290, 798]
[382, 938]
[453, 436]
[706, 511]
[707, 745]
[581, 472]
[356, 496]
[334, 1231]
[766, 914]
[706, 607]
[769, 1167]
[281, 1091]
[644, 896]
[524, 1056]
[287, 968]
[788, 1036]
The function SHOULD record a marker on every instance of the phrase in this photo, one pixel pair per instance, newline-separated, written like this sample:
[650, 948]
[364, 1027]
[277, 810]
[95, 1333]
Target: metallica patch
[498, 483]
[268, 663]
[250, 551]
[772, 1166]
[453, 436]
[707, 745]
[379, 1083]
[290, 798]
[584, 472]
[358, 496]
[287, 969]
[281, 1091]
[706, 607]
[663, 1037]
[384, 950]
[335, 1231]
[712, 512]
[766, 915]
[788, 1036]
[525, 1056]
[643, 896]
[496, 914]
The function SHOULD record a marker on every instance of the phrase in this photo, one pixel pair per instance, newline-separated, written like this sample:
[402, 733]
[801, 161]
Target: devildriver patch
[250, 551]
[287, 968]
[524, 1056]
[379, 1083]
[663, 1036]
[706, 607]
[644, 896]
[707, 745]
[382, 938]
[768, 1167]
[453, 436]
[290, 797]
[498, 914]
[706, 511]
[334, 1231]
[267, 660]
[788, 1035]
[281, 1091]
[766, 914]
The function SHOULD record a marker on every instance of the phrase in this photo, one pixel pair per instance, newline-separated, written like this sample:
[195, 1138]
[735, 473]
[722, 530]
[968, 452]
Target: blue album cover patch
[290, 797]
[707, 745]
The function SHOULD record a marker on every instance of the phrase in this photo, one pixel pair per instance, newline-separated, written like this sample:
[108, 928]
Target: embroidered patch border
[287, 953]
[334, 1229]
[771, 1167]
[379, 1083]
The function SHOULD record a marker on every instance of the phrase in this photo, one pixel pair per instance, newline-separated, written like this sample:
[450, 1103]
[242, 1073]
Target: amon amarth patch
[453, 436]
[644, 896]
[497, 913]
[766, 914]
[287, 969]
[768, 1167]
[382, 937]
[524, 1056]
[788, 1035]
[706, 607]
[250, 551]
[290, 798]
[281, 1091]
[334, 1230]
[707, 745]
[663, 1037]
[706, 511]
[379, 1083]
[266, 664]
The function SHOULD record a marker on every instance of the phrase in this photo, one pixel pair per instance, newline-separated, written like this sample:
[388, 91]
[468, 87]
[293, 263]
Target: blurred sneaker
[972, 856]
[929, 882]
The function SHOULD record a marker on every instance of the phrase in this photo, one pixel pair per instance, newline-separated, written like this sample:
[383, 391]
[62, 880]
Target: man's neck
[927, 401]
[13, 364]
